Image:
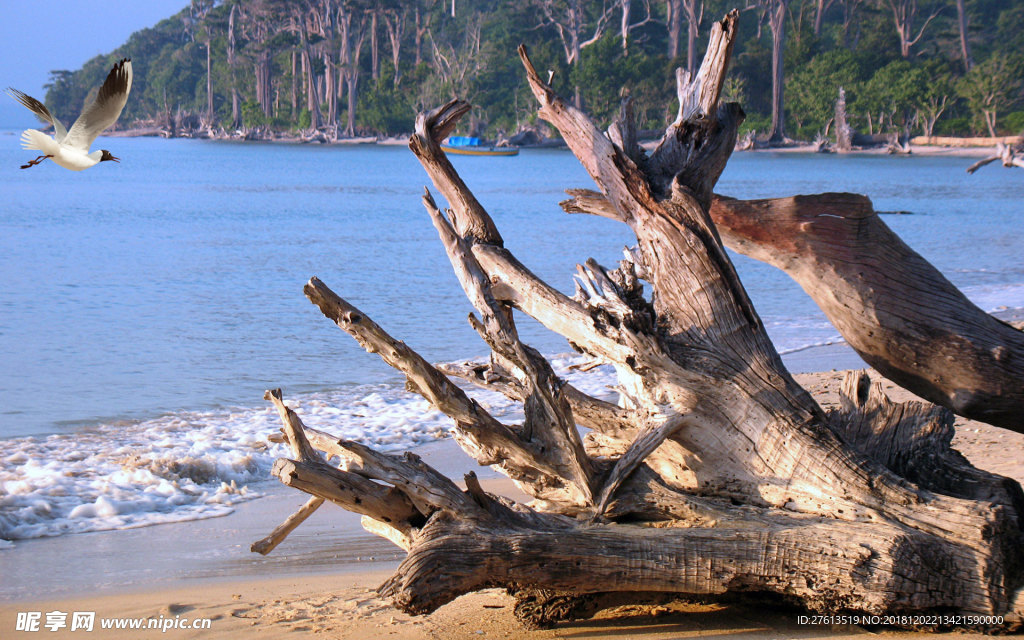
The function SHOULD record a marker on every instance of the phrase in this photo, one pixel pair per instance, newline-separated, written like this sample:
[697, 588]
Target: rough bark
[900, 314]
[890, 304]
[717, 473]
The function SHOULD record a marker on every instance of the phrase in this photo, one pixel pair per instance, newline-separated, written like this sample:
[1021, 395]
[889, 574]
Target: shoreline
[966, 147]
[322, 578]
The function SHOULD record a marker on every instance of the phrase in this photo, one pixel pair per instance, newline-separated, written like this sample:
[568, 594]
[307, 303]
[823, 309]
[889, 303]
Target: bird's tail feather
[34, 140]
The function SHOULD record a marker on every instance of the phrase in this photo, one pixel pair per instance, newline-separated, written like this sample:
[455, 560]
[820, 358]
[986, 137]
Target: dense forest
[365, 67]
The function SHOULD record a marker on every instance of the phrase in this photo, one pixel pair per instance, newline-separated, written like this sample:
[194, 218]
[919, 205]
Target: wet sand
[320, 582]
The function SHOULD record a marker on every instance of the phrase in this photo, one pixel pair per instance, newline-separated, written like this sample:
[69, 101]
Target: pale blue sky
[37, 36]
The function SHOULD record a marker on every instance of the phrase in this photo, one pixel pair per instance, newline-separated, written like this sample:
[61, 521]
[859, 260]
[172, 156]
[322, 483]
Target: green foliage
[1013, 124]
[385, 109]
[812, 91]
[991, 88]
[472, 56]
[253, 116]
[603, 72]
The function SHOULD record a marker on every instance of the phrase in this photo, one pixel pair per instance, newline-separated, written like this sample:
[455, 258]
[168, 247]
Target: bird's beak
[115, 159]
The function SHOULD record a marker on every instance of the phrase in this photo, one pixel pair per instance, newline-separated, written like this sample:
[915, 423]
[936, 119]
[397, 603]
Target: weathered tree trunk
[748, 483]
[844, 133]
[891, 305]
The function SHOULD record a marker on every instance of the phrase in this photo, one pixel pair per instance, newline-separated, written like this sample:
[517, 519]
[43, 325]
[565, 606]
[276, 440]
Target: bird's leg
[32, 163]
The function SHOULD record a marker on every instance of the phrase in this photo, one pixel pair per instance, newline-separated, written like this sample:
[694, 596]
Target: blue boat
[473, 146]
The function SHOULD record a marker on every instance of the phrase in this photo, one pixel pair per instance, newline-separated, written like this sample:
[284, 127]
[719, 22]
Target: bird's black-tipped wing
[105, 109]
[40, 110]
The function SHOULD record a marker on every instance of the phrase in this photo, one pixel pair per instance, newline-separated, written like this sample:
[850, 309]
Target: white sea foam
[198, 464]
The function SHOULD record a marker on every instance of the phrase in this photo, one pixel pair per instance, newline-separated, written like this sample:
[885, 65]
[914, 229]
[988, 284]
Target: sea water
[145, 306]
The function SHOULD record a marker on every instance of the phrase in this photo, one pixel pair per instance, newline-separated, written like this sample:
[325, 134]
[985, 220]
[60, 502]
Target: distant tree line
[353, 67]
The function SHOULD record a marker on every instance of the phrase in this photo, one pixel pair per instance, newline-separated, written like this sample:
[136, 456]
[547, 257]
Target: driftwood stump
[715, 473]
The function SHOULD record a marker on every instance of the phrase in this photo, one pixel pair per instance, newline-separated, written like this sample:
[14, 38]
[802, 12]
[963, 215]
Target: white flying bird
[70, 149]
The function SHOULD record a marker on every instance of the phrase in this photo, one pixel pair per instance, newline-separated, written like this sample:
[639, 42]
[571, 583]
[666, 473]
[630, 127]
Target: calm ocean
[145, 306]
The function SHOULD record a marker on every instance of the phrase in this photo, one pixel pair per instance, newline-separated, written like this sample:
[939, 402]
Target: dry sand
[250, 603]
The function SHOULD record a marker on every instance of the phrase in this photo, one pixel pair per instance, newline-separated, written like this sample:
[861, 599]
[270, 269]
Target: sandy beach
[321, 581]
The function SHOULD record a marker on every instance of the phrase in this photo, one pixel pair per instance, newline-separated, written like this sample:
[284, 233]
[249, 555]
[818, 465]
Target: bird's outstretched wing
[105, 109]
[40, 110]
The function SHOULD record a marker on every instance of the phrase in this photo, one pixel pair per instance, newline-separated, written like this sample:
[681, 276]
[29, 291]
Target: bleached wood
[277, 536]
[718, 473]
[890, 304]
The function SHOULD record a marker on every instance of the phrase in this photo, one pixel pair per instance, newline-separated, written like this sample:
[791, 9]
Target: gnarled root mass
[716, 472]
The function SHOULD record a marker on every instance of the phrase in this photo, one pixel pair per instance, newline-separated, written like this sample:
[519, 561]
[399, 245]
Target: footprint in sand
[176, 609]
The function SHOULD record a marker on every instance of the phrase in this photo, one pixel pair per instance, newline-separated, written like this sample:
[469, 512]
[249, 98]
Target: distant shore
[970, 147]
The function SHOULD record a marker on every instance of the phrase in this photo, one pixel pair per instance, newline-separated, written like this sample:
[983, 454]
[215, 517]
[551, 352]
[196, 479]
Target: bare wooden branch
[293, 428]
[1004, 153]
[351, 491]
[431, 128]
[891, 305]
[477, 432]
[549, 420]
[277, 536]
[649, 439]
[425, 487]
[386, 531]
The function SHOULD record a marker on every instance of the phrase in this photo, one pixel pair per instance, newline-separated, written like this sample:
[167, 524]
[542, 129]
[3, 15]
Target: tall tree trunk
[236, 109]
[421, 30]
[329, 91]
[353, 34]
[674, 12]
[209, 82]
[352, 80]
[844, 133]
[819, 14]
[263, 93]
[965, 47]
[694, 13]
[716, 472]
[777, 24]
[312, 96]
[849, 19]
[394, 23]
[295, 83]
[627, 6]
[374, 49]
